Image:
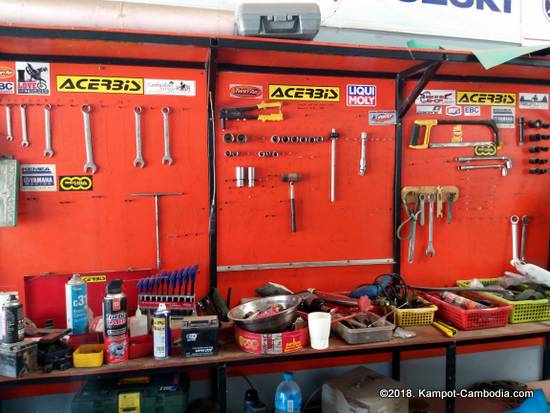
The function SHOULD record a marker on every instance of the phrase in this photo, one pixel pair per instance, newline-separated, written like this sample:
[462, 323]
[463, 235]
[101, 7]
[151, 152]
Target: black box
[199, 336]
[18, 359]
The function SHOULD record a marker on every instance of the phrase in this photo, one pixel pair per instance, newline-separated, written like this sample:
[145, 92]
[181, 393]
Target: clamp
[239, 113]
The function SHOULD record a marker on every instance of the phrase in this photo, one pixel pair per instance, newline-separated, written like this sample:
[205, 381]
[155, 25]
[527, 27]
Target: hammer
[292, 178]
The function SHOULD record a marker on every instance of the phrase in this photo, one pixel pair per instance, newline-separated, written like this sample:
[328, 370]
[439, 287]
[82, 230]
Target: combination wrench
[514, 220]
[90, 165]
[24, 133]
[430, 251]
[139, 157]
[48, 151]
[524, 222]
[167, 158]
[9, 136]
[422, 200]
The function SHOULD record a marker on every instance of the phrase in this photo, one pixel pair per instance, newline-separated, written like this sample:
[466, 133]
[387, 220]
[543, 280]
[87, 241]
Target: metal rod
[363, 160]
[304, 264]
[333, 136]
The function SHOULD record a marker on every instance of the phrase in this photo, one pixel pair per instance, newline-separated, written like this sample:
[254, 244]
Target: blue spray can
[76, 299]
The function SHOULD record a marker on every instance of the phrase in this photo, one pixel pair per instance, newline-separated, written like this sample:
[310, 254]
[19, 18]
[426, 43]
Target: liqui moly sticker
[436, 97]
[176, 87]
[361, 95]
[472, 110]
[33, 78]
[533, 101]
[382, 117]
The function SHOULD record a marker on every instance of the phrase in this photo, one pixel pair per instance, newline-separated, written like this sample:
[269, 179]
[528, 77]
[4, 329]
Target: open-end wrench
[139, 157]
[524, 221]
[439, 198]
[9, 136]
[422, 202]
[48, 151]
[24, 133]
[430, 251]
[90, 165]
[167, 158]
[514, 220]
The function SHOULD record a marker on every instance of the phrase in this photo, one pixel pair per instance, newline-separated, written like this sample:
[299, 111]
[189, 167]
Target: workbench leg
[219, 386]
[450, 376]
[396, 365]
[546, 358]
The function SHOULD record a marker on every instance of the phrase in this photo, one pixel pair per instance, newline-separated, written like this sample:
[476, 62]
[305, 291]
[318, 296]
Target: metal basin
[275, 323]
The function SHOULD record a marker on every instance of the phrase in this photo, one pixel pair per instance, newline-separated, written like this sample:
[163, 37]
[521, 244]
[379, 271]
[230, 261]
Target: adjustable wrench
[422, 199]
[90, 165]
[430, 252]
[25, 142]
[9, 136]
[48, 151]
[524, 221]
[167, 159]
[514, 220]
[139, 157]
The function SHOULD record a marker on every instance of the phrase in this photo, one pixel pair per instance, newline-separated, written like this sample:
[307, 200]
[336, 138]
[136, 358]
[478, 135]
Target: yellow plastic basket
[408, 317]
[522, 311]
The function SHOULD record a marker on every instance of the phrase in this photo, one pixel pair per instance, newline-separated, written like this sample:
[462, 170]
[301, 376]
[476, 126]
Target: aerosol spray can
[162, 337]
[115, 323]
[13, 327]
[76, 301]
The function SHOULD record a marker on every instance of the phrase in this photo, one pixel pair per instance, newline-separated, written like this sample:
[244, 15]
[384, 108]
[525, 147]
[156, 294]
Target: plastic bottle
[252, 403]
[288, 398]
[137, 324]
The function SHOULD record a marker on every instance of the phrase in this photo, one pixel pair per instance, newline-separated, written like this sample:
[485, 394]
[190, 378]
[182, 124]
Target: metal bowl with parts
[275, 323]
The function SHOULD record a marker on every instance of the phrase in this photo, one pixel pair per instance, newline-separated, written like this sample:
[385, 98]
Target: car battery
[199, 336]
[159, 394]
[18, 359]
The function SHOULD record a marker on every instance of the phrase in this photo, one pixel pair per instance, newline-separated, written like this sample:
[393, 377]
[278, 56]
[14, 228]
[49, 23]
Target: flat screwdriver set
[175, 289]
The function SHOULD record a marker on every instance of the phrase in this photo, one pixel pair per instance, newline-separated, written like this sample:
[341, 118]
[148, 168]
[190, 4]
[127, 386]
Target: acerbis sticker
[533, 101]
[504, 117]
[174, 87]
[382, 117]
[472, 110]
[100, 84]
[7, 88]
[429, 110]
[317, 93]
[361, 95]
[38, 178]
[33, 78]
[436, 97]
[76, 183]
[486, 98]
[94, 278]
[453, 110]
[246, 91]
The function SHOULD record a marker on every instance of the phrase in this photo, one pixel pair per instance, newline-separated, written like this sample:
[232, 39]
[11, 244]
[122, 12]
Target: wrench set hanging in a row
[414, 202]
[90, 165]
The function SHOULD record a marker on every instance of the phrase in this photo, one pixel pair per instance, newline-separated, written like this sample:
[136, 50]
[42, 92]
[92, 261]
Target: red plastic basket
[471, 319]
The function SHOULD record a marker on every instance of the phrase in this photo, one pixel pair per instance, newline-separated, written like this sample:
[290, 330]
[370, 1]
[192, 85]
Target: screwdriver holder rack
[179, 305]
[413, 191]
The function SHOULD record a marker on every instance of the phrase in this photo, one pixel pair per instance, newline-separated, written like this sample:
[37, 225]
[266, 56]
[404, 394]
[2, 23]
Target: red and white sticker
[436, 97]
[246, 91]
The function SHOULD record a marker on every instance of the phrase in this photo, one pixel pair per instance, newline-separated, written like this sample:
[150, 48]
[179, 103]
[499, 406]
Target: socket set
[240, 176]
[296, 139]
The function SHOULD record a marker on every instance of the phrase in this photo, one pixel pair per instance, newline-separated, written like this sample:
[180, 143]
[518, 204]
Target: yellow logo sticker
[100, 84]
[486, 98]
[94, 278]
[319, 93]
[76, 183]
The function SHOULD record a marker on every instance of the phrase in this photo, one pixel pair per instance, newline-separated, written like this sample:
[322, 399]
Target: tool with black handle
[292, 178]
[430, 123]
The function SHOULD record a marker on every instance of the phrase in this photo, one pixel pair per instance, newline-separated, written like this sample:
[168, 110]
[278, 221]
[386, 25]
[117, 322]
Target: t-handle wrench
[363, 160]
[139, 157]
[514, 220]
[430, 251]
[524, 221]
[9, 135]
[167, 159]
[25, 142]
[89, 165]
[48, 151]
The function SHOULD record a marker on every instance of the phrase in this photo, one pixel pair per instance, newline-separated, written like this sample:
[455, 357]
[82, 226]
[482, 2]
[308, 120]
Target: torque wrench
[139, 156]
[167, 158]
[48, 151]
[89, 165]
[363, 160]
[24, 133]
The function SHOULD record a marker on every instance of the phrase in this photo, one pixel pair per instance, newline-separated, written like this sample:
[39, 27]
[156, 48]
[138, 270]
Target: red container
[471, 319]
[275, 343]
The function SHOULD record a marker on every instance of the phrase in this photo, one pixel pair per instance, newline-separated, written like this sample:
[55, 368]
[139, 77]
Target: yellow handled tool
[445, 328]
[240, 113]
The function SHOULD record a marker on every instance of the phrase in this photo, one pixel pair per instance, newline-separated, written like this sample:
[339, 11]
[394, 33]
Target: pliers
[238, 113]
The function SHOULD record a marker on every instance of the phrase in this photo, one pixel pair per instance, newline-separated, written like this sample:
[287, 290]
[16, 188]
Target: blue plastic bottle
[288, 398]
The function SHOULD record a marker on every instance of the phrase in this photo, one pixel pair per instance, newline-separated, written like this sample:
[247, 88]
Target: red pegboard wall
[478, 242]
[106, 229]
[254, 223]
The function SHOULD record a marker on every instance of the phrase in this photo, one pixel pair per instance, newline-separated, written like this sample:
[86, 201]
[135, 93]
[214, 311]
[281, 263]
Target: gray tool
[24, 133]
[514, 220]
[412, 240]
[430, 251]
[48, 150]
[239, 176]
[251, 176]
[333, 136]
[450, 201]
[506, 159]
[422, 202]
[9, 136]
[412, 218]
[157, 195]
[138, 162]
[89, 165]
[167, 158]
[503, 168]
[439, 199]
[524, 222]
[363, 160]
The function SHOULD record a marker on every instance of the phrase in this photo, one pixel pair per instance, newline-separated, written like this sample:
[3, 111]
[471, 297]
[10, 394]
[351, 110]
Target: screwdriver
[445, 328]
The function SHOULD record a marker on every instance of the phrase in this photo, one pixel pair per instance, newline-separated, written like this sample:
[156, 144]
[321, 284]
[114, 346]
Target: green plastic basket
[522, 311]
